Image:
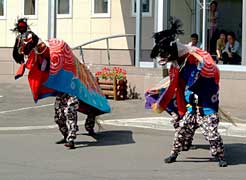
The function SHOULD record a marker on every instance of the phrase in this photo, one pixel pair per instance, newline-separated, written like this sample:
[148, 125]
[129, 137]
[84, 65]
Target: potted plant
[112, 81]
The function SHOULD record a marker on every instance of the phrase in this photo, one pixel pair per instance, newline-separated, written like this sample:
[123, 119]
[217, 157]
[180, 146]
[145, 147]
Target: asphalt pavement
[113, 154]
[131, 145]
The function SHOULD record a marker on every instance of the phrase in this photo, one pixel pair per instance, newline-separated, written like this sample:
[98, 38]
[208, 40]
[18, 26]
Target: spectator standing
[212, 28]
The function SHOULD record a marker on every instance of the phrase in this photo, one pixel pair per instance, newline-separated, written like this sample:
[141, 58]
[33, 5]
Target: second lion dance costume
[55, 71]
[194, 86]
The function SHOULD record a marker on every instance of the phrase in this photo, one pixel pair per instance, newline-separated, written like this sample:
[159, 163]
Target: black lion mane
[165, 37]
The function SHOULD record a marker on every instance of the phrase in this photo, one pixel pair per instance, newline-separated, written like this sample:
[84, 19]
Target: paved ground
[115, 153]
[17, 109]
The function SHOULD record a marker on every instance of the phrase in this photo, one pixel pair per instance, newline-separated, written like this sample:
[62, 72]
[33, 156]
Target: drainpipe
[52, 19]
[138, 48]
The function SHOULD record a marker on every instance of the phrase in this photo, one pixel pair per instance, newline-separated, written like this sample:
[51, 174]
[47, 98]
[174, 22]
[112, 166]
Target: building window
[64, 8]
[2, 9]
[101, 8]
[146, 8]
[30, 8]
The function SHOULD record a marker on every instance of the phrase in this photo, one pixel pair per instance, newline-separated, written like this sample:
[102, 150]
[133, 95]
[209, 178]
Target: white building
[79, 21]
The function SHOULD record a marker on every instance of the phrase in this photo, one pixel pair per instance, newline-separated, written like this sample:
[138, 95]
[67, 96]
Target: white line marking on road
[25, 108]
[27, 128]
[1, 96]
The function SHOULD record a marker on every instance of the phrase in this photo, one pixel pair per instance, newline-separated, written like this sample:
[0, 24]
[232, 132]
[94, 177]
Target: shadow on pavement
[235, 154]
[108, 138]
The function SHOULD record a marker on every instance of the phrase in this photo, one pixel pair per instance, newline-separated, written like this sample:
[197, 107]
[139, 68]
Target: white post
[244, 33]
[138, 48]
[52, 19]
[204, 25]
[161, 16]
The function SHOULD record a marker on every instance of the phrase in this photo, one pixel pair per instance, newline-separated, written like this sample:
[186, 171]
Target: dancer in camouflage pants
[187, 141]
[66, 107]
[209, 126]
[194, 77]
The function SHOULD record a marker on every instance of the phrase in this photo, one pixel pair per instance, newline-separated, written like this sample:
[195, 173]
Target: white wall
[181, 10]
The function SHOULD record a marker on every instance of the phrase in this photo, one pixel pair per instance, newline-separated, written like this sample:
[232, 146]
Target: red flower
[110, 73]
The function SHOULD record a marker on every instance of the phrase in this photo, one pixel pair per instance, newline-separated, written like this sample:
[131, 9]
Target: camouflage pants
[209, 126]
[176, 124]
[175, 119]
[66, 115]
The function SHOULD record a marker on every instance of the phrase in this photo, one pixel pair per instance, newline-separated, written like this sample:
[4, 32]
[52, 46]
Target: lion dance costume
[194, 86]
[55, 71]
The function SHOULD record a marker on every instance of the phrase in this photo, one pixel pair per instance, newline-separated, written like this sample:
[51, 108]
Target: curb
[156, 123]
[163, 123]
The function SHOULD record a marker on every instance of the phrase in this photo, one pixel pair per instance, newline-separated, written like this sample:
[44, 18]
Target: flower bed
[113, 82]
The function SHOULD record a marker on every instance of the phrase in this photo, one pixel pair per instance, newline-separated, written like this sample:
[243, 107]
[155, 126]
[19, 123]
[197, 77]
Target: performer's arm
[167, 96]
[197, 56]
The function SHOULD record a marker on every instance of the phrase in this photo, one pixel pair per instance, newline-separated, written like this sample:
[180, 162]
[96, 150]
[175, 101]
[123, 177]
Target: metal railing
[107, 38]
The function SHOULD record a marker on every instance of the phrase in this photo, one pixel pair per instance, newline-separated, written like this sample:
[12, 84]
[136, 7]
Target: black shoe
[222, 162]
[62, 141]
[170, 159]
[91, 132]
[70, 145]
